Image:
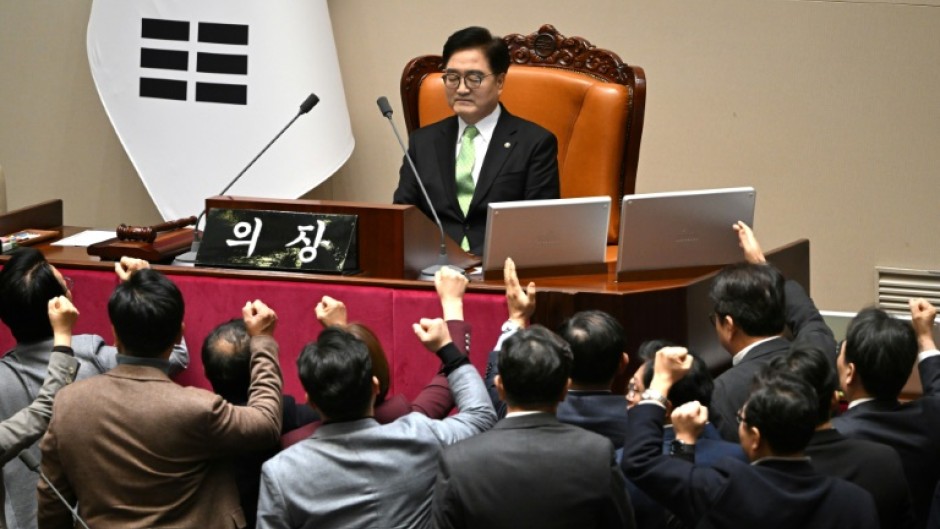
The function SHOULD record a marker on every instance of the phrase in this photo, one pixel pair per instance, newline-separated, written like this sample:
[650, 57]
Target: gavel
[149, 233]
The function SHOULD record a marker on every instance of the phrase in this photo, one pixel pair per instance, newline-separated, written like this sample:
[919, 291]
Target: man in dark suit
[874, 363]
[597, 345]
[531, 470]
[752, 305]
[483, 154]
[872, 466]
[779, 489]
[135, 449]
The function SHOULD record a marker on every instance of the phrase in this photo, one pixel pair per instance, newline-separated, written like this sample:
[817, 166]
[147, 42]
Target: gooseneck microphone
[33, 464]
[427, 273]
[306, 106]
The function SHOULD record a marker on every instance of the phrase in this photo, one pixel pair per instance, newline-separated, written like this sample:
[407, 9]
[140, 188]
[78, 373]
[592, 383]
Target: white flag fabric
[195, 89]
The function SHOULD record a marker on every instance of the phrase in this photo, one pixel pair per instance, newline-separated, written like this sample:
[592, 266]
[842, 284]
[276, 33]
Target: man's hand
[62, 316]
[451, 285]
[688, 421]
[670, 365]
[922, 318]
[521, 302]
[432, 333]
[126, 267]
[331, 312]
[748, 242]
[260, 319]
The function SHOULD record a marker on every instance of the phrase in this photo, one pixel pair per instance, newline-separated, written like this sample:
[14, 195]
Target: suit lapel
[500, 146]
[446, 148]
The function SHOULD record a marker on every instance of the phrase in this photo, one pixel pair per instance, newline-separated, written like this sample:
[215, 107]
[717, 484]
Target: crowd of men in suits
[539, 441]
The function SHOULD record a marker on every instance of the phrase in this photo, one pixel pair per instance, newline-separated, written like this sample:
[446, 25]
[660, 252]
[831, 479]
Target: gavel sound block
[158, 243]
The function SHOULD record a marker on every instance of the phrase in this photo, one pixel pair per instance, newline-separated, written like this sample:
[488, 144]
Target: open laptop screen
[660, 231]
[547, 233]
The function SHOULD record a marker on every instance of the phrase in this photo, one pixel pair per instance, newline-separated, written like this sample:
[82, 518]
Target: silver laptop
[547, 233]
[660, 231]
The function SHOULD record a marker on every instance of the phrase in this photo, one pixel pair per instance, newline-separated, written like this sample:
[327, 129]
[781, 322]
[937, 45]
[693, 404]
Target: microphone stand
[190, 256]
[33, 464]
[427, 274]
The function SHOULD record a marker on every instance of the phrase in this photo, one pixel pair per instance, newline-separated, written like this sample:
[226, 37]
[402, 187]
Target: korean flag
[195, 89]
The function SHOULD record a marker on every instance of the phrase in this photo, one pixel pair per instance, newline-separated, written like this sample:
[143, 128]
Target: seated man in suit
[531, 470]
[353, 471]
[872, 466]
[874, 363]
[597, 344]
[779, 489]
[27, 283]
[752, 305]
[226, 359]
[133, 448]
[483, 154]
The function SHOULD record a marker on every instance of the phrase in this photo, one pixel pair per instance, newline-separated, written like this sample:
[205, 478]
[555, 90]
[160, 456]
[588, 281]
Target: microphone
[427, 273]
[33, 464]
[190, 256]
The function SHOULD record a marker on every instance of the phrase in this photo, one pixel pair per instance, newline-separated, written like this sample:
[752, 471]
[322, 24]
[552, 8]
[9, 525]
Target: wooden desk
[674, 309]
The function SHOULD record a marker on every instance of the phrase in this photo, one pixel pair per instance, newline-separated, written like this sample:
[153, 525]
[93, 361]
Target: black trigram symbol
[212, 63]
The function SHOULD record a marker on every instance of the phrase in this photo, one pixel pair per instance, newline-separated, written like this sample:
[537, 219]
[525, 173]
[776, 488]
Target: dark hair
[27, 283]
[495, 50]
[534, 365]
[379, 360]
[883, 349]
[753, 295]
[147, 313]
[783, 409]
[697, 384]
[336, 373]
[226, 358]
[811, 364]
[597, 343]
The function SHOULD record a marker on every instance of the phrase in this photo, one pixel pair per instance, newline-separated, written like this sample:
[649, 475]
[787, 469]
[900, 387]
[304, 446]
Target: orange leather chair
[590, 99]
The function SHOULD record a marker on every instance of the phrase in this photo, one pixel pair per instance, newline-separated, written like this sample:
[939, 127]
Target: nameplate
[280, 240]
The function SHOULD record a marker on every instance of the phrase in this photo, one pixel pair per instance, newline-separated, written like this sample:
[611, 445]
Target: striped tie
[464, 174]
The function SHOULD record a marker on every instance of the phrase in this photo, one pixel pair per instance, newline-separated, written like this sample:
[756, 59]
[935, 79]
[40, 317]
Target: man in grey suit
[531, 470]
[354, 472]
[27, 425]
[27, 283]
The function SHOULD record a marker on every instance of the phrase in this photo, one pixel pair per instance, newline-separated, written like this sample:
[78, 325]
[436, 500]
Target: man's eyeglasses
[471, 80]
[739, 415]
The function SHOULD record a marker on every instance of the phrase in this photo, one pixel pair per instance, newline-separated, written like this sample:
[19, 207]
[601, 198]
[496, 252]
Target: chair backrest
[590, 99]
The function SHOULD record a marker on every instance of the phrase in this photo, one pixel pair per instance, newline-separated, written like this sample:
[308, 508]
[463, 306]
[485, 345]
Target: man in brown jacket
[137, 450]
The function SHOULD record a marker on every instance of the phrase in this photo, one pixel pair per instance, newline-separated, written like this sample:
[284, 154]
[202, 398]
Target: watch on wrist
[509, 326]
[679, 448]
[655, 396]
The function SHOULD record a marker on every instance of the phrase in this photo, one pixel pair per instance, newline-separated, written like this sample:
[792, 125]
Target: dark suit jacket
[531, 471]
[600, 412]
[137, 450]
[772, 493]
[521, 164]
[733, 387]
[911, 428]
[872, 466]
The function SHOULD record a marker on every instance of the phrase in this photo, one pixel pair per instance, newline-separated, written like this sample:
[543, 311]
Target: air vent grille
[897, 285]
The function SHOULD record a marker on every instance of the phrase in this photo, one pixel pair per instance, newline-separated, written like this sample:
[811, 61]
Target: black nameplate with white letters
[280, 240]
